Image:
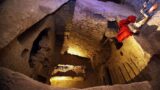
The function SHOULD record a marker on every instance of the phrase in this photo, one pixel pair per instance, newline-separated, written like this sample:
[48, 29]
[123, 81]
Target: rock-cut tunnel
[66, 44]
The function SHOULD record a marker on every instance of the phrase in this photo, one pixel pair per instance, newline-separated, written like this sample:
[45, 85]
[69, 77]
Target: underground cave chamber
[65, 47]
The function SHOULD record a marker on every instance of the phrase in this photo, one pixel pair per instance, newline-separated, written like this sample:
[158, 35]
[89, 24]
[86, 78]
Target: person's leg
[123, 36]
[143, 21]
[120, 38]
[117, 44]
[134, 29]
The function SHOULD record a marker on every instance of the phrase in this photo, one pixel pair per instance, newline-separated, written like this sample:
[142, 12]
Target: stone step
[120, 75]
[125, 73]
[134, 66]
[129, 70]
[113, 76]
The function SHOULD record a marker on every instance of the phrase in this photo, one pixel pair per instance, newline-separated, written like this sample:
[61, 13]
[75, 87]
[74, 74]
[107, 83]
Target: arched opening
[37, 46]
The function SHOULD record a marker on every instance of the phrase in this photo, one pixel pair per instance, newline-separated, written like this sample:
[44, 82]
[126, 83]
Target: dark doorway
[36, 46]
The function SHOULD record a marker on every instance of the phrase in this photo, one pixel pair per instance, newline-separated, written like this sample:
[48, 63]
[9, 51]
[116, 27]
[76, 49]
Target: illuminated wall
[128, 62]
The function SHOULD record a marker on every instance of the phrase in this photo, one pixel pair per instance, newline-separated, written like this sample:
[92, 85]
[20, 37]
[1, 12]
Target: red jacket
[124, 31]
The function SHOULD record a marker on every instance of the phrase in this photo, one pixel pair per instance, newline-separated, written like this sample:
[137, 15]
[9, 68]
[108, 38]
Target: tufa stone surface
[11, 80]
[16, 16]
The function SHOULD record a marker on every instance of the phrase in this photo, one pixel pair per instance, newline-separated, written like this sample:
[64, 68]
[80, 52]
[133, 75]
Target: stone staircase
[81, 68]
[126, 72]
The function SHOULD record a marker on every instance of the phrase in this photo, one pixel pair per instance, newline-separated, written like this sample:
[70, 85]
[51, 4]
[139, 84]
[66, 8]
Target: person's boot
[117, 44]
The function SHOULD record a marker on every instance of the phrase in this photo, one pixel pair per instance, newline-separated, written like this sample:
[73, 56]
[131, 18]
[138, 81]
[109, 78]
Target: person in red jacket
[124, 31]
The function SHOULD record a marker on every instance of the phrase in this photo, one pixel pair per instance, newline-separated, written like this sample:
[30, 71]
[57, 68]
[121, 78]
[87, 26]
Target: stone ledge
[17, 81]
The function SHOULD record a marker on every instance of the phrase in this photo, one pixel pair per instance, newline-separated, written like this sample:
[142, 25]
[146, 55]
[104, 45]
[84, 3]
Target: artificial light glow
[65, 81]
[76, 51]
[64, 78]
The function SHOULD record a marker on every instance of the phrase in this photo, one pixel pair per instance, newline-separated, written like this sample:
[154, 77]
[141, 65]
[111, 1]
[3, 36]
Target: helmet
[131, 18]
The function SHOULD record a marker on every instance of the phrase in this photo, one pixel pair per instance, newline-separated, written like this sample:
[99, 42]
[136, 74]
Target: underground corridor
[70, 45]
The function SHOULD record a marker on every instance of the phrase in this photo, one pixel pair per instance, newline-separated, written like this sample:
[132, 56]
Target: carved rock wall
[17, 16]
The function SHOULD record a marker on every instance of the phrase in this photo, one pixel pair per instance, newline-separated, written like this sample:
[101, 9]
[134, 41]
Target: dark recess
[36, 46]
